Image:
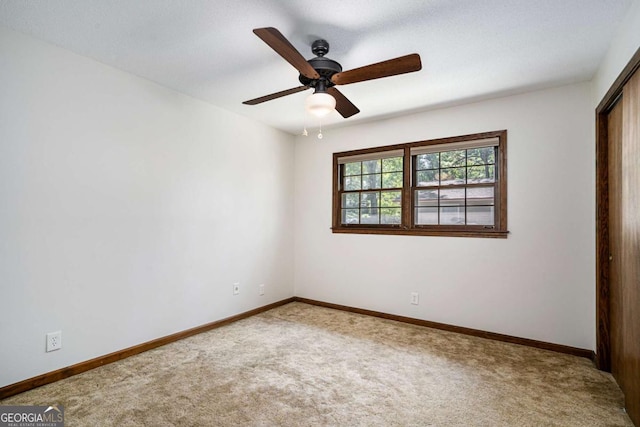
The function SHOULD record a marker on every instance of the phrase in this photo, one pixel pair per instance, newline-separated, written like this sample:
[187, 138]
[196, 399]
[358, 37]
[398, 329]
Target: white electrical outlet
[415, 298]
[54, 341]
[236, 288]
[261, 288]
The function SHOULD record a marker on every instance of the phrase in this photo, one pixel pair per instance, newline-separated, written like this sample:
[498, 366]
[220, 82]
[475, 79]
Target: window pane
[391, 199]
[369, 216]
[428, 161]
[371, 182]
[477, 174]
[352, 183]
[426, 198]
[481, 156]
[350, 216]
[452, 197]
[370, 200]
[453, 215]
[392, 180]
[371, 166]
[353, 168]
[394, 164]
[480, 196]
[351, 200]
[480, 215]
[453, 176]
[424, 216]
[428, 178]
[390, 215]
[449, 159]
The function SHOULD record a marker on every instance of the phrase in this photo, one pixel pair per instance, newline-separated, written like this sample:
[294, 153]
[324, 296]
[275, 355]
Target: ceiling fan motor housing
[324, 66]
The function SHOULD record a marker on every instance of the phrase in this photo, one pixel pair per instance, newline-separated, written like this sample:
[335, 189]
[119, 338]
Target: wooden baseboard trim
[589, 354]
[69, 371]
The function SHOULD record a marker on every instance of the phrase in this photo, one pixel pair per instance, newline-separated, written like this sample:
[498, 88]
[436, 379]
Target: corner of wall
[624, 45]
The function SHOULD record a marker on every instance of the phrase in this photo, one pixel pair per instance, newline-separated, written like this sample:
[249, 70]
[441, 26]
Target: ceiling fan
[322, 74]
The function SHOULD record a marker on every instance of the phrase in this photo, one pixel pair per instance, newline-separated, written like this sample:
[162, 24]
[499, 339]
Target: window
[373, 189]
[453, 186]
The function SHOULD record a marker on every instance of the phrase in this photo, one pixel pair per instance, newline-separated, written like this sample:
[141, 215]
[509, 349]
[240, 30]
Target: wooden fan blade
[391, 67]
[275, 95]
[343, 105]
[284, 48]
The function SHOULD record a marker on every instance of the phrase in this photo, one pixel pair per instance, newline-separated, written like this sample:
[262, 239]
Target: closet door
[623, 134]
[629, 313]
[618, 233]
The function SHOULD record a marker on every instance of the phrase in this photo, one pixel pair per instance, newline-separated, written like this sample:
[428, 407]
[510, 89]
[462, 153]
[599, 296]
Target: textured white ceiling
[470, 49]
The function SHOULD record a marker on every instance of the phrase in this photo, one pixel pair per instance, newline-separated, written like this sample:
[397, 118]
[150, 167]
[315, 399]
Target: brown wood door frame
[603, 330]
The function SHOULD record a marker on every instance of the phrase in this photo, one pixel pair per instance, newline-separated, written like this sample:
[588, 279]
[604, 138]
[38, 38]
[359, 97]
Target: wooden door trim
[603, 338]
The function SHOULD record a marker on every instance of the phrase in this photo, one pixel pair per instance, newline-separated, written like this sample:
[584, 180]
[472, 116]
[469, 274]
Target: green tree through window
[372, 191]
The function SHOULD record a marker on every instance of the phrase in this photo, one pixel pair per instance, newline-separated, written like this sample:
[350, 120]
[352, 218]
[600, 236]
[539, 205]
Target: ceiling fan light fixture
[322, 74]
[320, 104]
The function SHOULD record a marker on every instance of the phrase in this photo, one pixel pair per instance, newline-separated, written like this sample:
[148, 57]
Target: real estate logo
[32, 416]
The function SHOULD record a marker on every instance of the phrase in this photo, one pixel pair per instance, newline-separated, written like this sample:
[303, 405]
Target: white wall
[623, 46]
[538, 283]
[127, 210]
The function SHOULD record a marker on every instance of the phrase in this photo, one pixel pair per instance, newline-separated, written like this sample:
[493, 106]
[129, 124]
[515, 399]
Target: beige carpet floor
[301, 365]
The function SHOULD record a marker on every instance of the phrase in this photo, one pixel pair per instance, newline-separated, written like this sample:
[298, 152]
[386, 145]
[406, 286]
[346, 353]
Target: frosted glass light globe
[320, 104]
